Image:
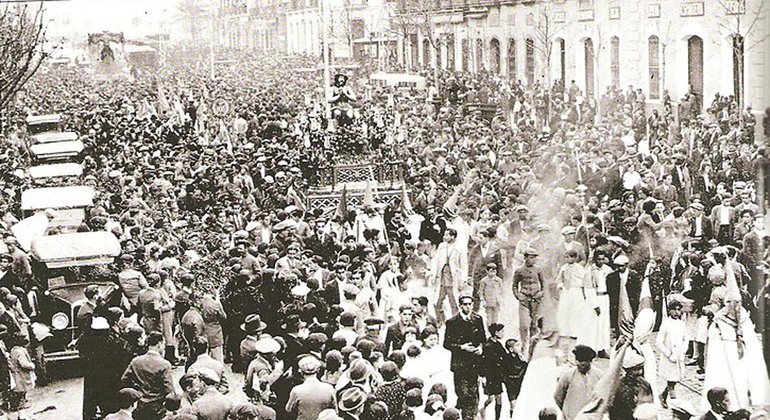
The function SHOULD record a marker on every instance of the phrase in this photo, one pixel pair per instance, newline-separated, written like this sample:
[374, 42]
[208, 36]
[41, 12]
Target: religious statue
[342, 99]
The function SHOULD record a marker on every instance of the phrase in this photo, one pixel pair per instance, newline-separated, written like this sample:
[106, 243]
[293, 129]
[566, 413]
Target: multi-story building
[707, 47]
[252, 24]
[356, 28]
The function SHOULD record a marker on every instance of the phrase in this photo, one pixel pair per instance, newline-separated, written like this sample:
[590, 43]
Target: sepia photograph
[384, 209]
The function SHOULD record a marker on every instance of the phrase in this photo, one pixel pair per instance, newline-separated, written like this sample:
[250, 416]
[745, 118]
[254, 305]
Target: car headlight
[60, 321]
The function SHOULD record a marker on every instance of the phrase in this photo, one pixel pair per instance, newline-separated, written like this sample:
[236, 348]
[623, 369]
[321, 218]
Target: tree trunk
[436, 58]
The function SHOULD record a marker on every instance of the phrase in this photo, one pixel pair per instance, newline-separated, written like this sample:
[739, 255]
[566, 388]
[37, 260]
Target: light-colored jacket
[22, 369]
[457, 258]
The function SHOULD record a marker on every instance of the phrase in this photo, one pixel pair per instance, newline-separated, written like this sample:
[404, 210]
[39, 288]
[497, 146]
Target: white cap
[99, 323]
[620, 260]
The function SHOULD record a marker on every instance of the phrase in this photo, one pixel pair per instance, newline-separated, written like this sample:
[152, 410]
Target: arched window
[695, 67]
[654, 47]
[512, 59]
[426, 52]
[450, 52]
[589, 54]
[530, 61]
[414, 45]
[561, 57]
[615, 61]
[479, 55]
[494, 47]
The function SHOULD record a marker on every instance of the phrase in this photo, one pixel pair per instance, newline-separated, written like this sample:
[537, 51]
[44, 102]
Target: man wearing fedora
[308, 399]
[464, 337]
[351, 403]
[252, 326]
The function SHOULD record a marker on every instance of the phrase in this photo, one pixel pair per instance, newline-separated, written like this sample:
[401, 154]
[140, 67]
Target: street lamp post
[325, 33]
[211, 45]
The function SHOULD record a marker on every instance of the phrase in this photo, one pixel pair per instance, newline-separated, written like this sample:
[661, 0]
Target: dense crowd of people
[613, 230]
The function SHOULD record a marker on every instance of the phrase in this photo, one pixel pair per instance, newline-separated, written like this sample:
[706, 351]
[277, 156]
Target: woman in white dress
[571, 308]
[595, 332]
[540, 380]
[734, 359]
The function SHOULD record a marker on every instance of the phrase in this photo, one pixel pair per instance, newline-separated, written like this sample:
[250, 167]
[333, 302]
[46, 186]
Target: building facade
[707, 47]
[252, 24]
[356, 28]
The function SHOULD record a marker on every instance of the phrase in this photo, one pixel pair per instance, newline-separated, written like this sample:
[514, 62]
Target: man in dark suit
[8, 278]
[700, 225]
[480, 256]
[633, 284]
[333, 288]
[751, 253]
[150, 374]
[433, 227]
[394, 338]
[464, 338]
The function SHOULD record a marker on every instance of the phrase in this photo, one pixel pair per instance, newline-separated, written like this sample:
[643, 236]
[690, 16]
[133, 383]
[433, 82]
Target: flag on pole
[406, 205]
[143, 110]
[224, 137]
[342, 208]
[150, 107]
[451, 203]
[368, 200]
[179, 110]
[163, 104]
[296, 199]
[733, 293]
[645, 319]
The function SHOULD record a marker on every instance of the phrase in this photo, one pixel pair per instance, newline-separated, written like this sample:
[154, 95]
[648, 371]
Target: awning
[375, 40]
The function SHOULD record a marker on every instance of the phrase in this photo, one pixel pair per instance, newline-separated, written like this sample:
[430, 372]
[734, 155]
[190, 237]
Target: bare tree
[665, 40]
[417, 16]
[739, 25]
[22, 38]
[343, 20]
[194, 15]
[545, 29]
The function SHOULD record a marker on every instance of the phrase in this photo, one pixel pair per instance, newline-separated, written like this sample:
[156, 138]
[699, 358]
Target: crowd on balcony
[613, 233]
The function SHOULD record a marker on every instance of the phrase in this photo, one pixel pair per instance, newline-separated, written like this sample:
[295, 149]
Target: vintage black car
[63, 266]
